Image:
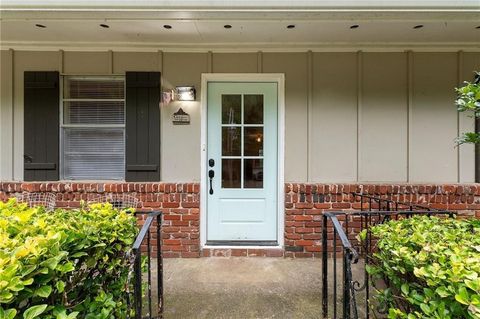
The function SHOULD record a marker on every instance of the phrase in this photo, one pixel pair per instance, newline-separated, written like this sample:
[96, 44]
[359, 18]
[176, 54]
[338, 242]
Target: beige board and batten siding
[180, 151]
[234, 63]
[87, 63]
[349, 116]
[333, 154]
[136, 61]
[383, 120]
[433, 118]
[6, 113]
[294, 66]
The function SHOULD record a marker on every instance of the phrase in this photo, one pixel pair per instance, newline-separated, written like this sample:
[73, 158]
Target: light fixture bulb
[185, 93]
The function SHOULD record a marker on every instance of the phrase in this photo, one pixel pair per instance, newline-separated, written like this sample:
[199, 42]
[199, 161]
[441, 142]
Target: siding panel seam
[309, 112]
[359, 110]
[459, 80]
[409, 110]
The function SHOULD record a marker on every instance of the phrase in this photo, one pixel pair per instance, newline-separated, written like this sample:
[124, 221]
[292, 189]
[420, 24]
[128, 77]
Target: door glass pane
[231, 172]
[231, 141]
[253, 174]
[253, 108]
[253, 145]
[231, 109]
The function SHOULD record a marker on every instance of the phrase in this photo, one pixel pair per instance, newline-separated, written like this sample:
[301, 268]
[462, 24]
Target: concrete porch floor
[242, 288]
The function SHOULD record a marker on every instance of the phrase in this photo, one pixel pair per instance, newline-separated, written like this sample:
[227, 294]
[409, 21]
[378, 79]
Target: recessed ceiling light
[167, 26]
[291, 26]
[355, 26]
[227, 26]
[418, 26]
[106, 26]
[40, 26]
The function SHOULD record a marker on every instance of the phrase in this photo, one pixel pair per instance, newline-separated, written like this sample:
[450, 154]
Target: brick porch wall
[304, 204]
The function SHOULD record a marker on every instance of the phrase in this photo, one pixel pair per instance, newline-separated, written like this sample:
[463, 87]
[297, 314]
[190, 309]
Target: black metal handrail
[345, 226]
[142, 251]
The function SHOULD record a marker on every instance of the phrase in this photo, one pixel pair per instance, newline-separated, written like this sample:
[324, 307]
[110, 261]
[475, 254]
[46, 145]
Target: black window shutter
[142, 126]
[41, 126]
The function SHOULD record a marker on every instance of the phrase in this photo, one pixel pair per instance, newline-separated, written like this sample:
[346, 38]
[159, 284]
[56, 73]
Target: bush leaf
[44, 291]
[34, 311]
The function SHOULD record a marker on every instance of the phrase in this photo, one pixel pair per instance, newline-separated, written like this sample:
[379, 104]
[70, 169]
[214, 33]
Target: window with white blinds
[93, 128]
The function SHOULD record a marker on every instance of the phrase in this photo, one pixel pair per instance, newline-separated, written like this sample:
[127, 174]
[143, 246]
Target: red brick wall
[304, 205]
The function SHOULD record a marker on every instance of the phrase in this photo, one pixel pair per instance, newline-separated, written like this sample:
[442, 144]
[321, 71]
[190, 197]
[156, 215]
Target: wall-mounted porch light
[185, 93]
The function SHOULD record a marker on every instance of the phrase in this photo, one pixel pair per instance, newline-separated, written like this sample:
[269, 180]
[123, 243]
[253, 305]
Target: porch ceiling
[253, 27]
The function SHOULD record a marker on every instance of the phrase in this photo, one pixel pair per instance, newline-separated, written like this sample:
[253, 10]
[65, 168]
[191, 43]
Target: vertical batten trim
[459, 81]
[309, 111]
[359, 109]
[160, 69]
[12, 100]
[110, 61]
[409, 110]
[209, 62]
[160, 61]
[259, 62]
[60, 61]
[61, 65]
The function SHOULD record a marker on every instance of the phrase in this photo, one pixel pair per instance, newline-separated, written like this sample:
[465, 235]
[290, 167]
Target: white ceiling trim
[470, 14]
[210, 4]
[241, 47]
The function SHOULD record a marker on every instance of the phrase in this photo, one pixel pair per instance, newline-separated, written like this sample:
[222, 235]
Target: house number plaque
[181, 117]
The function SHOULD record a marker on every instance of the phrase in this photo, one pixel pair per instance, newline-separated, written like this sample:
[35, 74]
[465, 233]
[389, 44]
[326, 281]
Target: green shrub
[64, 264]
[468, 100]
[431, 267]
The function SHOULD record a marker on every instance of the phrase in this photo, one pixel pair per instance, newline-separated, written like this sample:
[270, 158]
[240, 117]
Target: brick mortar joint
[383, 188]
[192, 188]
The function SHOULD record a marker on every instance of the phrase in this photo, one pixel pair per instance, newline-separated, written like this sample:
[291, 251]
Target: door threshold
[242, 243]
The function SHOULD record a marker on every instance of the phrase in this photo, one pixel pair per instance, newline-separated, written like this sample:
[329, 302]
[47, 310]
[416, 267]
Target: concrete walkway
[242, 288]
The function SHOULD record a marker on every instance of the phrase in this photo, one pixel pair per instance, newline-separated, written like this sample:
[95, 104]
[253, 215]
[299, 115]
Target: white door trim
[278, 78]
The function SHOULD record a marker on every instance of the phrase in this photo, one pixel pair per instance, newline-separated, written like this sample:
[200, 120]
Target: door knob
[211, 175]
[211, 162]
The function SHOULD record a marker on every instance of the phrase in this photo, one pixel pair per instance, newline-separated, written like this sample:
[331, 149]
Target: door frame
[278, 78]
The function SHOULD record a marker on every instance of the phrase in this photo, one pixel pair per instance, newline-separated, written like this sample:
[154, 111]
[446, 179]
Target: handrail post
[368, 218]
[347, 281]
[159, 266]
[144, 238]
[324, 268]
[138, 284]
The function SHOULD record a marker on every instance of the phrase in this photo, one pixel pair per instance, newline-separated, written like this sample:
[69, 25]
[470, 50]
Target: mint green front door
[242, 162]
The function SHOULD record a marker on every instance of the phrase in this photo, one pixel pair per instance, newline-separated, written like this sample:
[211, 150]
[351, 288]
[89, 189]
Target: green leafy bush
[64, 264]
[431, 267]
[468, 100]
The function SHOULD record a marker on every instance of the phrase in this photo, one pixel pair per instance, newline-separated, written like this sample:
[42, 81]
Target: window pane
[231, 109]
[94, 112]
[253, 108]
[93, 87]
[93, 153]
[231, 172]
[231, 141]
[253, 175]
[253, 145]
